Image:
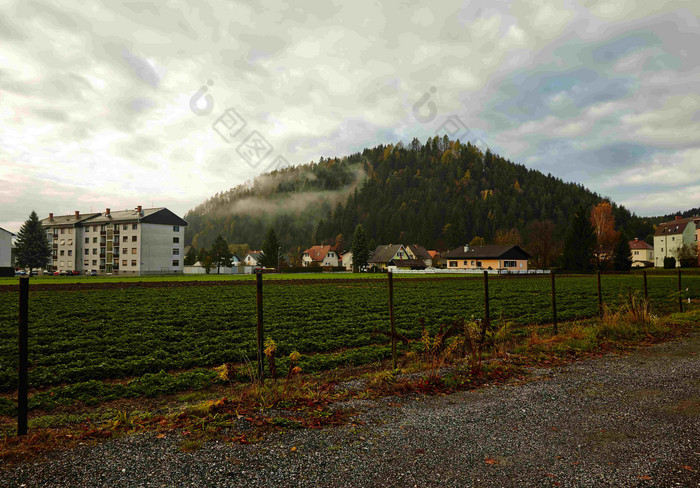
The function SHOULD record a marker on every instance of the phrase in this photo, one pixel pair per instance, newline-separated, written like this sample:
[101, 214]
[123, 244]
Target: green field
[81, 335]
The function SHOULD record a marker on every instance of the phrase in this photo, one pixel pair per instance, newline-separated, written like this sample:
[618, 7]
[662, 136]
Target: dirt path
[615, 421]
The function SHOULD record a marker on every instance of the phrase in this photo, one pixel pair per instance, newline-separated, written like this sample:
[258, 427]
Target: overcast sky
[141, 103]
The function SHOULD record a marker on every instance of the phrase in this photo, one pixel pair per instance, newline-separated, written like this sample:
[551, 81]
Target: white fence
[468, 271]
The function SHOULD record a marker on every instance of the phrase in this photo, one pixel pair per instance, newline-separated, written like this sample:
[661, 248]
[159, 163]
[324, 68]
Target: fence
[340, 313]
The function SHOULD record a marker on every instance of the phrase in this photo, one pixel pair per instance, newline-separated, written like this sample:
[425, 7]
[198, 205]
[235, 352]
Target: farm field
[98, 334]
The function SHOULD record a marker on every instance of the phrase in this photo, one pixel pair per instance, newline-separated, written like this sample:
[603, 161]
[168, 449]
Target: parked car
[20, 272]
[56, 273]
[75, 272]
[65, 273]
[91, 272]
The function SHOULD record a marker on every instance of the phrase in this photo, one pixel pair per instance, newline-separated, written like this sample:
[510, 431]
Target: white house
[670, 236]
[319, 256]
[5, 248]
[346, 260]
[252, 258]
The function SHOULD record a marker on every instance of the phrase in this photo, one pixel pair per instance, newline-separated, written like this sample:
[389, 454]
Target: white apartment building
[670, 236]
[139, 241]
[5, 248]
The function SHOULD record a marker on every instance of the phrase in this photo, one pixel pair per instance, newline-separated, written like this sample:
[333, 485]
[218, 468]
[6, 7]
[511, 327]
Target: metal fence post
[23, 383]
[600, 297]
[487, 319]
[554, 304]
[680, 294]
[261, 355]
[646, 291]
[391, 318]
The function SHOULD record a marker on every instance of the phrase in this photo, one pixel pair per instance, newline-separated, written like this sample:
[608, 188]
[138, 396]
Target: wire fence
[82, 334]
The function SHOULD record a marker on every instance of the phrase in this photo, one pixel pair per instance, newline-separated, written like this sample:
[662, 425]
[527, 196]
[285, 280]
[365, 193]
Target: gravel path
[615, 421]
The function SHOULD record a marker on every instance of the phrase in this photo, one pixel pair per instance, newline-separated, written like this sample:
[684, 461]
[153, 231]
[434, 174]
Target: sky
[165, 103]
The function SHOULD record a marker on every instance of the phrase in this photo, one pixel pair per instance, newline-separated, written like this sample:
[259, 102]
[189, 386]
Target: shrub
[669, 262]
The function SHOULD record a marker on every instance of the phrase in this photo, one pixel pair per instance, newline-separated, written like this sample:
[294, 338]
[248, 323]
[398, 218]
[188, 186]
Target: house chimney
[678, 217]
[466, 248]
[139, 209]
[107, 212]
[51, 217]
[77, 214]
[636, 239]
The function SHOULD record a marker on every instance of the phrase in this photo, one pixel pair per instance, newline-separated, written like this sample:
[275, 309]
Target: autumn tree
[220, 253]
[510, 237]
[477, 241]
[603, 222]
[541, 243]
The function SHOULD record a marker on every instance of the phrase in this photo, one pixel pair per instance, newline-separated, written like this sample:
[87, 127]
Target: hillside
[440, 194]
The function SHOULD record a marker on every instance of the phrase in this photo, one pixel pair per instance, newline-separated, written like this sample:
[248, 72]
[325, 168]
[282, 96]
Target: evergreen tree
[359, 248]
[270, 250]
[191, 256]
[220, 254]
[622, 257]
[202, 256]
[33, 249]
[580, 243]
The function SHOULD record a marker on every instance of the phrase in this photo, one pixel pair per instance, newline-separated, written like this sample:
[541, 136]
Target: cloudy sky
[133, 103]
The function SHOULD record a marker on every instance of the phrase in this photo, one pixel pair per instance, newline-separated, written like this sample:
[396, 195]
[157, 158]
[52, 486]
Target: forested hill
[439, 194]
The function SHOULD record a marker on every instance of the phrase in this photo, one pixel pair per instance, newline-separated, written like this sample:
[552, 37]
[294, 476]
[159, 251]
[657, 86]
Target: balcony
[55, 236]
[103, 233]
[102, 255]
[102, 267]
[55, 245]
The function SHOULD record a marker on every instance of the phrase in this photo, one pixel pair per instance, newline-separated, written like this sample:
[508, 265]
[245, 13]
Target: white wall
[5, 248]
[156, 249]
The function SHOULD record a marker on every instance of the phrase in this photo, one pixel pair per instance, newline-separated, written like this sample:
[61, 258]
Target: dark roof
[419, 251]
[673, 227]
[408, 263]
[487, 252]
[162, 216]
[383, 254]
[637, 244]
[67, 219]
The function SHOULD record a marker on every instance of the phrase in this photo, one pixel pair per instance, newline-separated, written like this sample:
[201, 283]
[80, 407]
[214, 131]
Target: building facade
[319, 256]
[139, 241]
[5, 248]
[672, 235]
[510, 258]
[642, 253]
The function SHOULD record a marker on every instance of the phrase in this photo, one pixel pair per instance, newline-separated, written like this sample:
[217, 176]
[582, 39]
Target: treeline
[440, 194]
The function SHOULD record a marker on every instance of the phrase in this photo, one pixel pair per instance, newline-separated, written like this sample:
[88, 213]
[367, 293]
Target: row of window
[506, 264]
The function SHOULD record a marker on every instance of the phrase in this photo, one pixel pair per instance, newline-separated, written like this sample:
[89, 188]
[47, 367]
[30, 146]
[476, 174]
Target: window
[453, 264]
[61, 265]
[133, 238]
[87, 240]
[70, 231]
[70, 252]
[176, 262]
[94, 250]
[94, 228]
[465, 263]
[472, 262]
[87, 228]
[510, 264]
[62, 252]
[94, 262]
[176, 240]
[636, 253]
[70, 264]
[176, 228]
[133, 226]
[125, 227]
[94, 240]
[70, 242]
[124, 250]
[125, 239]
[133, 250]
[124, 261]
[63, 242]
[87, 252]
[86, 263]
[478, 264]
[133, 262]
[63, 232]
[176, 252]
[673, 238]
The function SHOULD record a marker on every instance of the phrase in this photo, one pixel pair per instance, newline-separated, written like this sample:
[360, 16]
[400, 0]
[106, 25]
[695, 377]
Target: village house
[346, 260]
[252, 258]
[5, 248]
[642, 254]
[670, 236]
[510, 258]
[417, 252]
[319, 256]
[384, 254]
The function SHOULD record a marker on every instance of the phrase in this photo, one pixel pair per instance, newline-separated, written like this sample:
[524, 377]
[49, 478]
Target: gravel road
[614, 421]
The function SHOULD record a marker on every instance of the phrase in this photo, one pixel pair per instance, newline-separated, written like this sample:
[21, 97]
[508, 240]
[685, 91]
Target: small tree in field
[359, 248]
[687, 255]
[220, 254]
[270, 249]
[33, 249]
